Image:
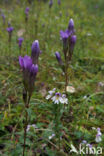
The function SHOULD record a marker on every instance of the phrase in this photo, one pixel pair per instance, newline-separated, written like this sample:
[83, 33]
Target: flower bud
[50, 3]
[71, 25]
[58, 57]
[35, 51]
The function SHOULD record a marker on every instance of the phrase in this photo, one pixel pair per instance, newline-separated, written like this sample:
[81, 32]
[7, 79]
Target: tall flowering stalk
[10, 30]
[69, 40]
[3, 18]
[58, 101]
[27, 14]
[20, 40]
[29, 71]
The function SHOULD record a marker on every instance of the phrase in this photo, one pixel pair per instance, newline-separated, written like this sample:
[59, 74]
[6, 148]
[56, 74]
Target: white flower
[98, 138]
[64, 99]
[57, 98]
[50, 137]
[51, 92]
[30, 126]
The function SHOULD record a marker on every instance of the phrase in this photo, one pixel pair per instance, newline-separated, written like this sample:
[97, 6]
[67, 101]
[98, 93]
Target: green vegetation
[86, 105]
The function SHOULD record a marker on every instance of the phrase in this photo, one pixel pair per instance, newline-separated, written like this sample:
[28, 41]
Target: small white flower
[98, 138]
[51, 92]
[48, 97]
[64, 99]
[50, 137]
[57, 98]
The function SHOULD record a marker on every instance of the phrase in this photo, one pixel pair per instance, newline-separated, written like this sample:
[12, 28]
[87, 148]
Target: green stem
[26, 123]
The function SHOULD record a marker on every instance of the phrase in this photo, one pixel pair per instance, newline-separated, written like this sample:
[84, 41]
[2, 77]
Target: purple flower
[58, 57]
[27, 11]
[64, 36]
[72, 42]
[10, 29]
[59, 2]
[71, 25]
[50, 3]
[20, 40]
[29, 72]
[58, 94]
[3, 17]
[35, 51]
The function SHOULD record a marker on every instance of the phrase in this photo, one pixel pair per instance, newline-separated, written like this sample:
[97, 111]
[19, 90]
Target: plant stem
[26, 123]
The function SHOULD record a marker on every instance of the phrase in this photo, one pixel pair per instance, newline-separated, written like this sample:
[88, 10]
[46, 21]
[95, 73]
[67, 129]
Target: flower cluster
[57, 97]
[29, 69]
[69, 40]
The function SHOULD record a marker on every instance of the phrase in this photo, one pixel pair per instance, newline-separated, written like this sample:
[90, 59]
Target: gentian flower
[20, 40]
[58, 57]
[3, 17]
[71, 25]
[59, 2]
[50, 3]
[29, 72]
[27, 13]
[35, 51]
[72, 42]
[10, 30]
[64, 36]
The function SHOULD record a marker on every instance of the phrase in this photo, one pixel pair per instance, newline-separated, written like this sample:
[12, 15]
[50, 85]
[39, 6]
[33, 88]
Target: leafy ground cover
[85, 109]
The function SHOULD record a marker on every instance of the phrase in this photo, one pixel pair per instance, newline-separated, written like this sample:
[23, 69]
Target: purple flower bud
[58, 57]
[64, 36]
[27, 11]
[10, 29]
[71, 25]
[34, 69]
[35, 51]
[25, 62]
[72, 42]
[3, 17]
[20, 40]
[50, 3]
[59, 2]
